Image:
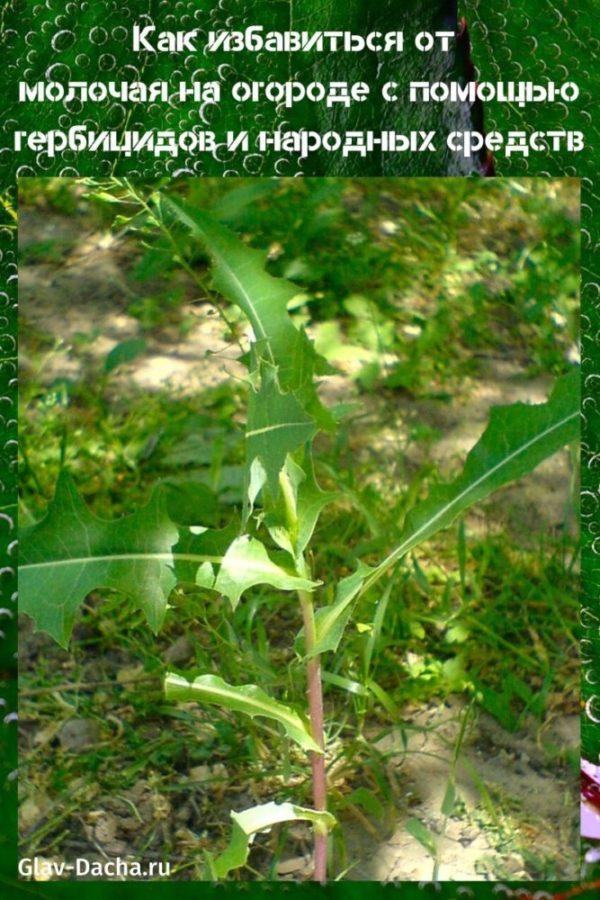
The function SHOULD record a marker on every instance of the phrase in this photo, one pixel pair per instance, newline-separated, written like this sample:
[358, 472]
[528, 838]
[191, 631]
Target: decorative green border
[534, 40]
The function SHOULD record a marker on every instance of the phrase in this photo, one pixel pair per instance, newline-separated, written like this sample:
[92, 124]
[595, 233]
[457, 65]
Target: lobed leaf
[277, 425]
[517, 438]
[284, 408]
[246, 563]
[239, 275]
[248, 699]
[70, 553]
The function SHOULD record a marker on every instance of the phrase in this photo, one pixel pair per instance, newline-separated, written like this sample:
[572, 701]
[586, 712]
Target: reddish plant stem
[315, 707]
[315, 704]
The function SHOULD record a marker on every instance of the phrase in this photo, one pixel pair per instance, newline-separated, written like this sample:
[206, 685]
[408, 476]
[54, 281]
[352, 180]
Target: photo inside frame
[293, 447]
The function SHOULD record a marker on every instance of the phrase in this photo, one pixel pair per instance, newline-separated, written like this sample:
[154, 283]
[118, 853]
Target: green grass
[499, 628]
[483, 612]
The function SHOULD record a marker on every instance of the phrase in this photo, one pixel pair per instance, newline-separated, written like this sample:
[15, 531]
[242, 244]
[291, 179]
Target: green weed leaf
[331, 621]
[423, 835]
[517, 439]
[70, 553]
[200, 550]
[284, 409]
[239, 275]
[449, 798]
[189, 502]
[260, 818]
[308, 502]
[248, 699]
[123, 353]
[277, 425]
[246, 563]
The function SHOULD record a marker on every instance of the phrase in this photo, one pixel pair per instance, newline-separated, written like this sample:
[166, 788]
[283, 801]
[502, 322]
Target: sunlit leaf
[246, 563]
[449, 799]
[423, 835]
[248, 699]
[308, 502]
[331, 621]
[71, 552]
[517, 439]
[277, 425]
[248, 823]
[239, 275]
[311, 501]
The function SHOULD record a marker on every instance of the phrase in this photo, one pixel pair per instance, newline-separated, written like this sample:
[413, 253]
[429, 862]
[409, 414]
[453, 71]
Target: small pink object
[590, 801]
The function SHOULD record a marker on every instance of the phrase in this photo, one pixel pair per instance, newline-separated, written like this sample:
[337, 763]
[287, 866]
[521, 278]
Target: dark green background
[535, 40]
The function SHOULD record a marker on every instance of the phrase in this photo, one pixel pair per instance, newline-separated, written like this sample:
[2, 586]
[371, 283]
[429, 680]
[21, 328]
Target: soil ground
[527, 773]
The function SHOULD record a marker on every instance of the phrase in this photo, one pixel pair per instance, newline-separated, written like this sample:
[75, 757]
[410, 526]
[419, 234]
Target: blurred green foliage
[391, 269]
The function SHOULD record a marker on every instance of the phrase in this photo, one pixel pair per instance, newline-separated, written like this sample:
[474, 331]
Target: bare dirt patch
[516, 805]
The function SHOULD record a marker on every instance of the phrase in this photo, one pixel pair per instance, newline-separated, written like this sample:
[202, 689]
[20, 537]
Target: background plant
[282, 396]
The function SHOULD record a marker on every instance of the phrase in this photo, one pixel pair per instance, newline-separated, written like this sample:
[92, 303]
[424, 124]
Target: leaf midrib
[120, 557]
[405, 546]
[282, 712]
[194, 226]
[280, 425]
[266, 567]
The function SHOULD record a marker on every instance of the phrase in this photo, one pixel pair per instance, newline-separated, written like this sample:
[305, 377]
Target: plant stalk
[315, 707]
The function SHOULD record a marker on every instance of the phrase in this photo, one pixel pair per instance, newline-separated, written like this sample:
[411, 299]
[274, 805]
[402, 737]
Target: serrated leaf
[70, 553]
[246, 564]
[517, 438]
[248, 699]
[239, 275]
[277, 425]
[248, 823]
[284, 409]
